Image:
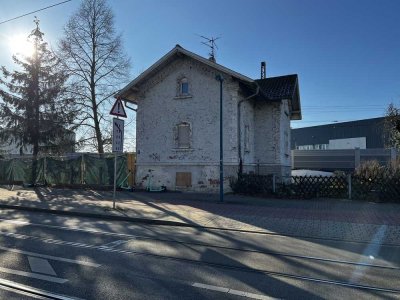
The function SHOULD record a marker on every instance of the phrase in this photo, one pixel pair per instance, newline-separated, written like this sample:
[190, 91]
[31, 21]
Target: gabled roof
[278, 88]
[281, 88]
[270, 89]
[177, 51]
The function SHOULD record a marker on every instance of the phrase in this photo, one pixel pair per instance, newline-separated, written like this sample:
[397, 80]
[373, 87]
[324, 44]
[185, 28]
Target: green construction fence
[78, 169]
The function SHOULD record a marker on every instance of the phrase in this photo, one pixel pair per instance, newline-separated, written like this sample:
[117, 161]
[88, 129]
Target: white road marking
[72, 261]
[115, 244]
[29, 289]
[33, 275]
[231, 291]
[40, 265]
[17, 291]
[71, 228]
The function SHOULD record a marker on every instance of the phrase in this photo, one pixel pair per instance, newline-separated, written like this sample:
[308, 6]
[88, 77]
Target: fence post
[356, 157]
[349, 185]
[273, 183]
[45, 170]
[82, 169]
[292, 158]
[393, 154]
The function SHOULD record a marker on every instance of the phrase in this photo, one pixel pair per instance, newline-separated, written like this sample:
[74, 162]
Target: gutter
[238, 126]
[131, 108]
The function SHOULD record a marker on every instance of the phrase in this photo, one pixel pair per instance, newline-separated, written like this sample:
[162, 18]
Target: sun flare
[19, 44]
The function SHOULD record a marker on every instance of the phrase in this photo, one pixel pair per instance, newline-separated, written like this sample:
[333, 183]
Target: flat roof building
[363, 134]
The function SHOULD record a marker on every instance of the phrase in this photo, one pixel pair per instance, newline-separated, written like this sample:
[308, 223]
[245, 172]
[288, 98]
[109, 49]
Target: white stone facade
[265, 129]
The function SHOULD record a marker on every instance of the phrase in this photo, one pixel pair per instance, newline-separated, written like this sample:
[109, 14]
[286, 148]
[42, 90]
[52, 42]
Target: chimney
[263, 66]
[212, 58]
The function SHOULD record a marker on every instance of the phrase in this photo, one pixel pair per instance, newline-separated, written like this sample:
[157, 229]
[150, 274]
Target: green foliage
[392, 126]
[251, 184]
[35, 108]
[370, 170]
[374, 182]
[370, 182]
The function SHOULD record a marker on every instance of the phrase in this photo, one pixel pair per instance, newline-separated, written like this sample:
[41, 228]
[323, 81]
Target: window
[183, 133]
[286, 142]
[184, 87]
[313, 147]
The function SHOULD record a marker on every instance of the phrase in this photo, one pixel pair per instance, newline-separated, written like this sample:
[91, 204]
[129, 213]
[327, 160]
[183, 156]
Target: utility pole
[221, 148]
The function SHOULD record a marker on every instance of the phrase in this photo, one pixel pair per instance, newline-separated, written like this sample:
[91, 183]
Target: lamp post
[221, 154]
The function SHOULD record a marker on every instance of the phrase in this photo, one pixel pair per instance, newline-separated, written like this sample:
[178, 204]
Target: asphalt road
[44, 256]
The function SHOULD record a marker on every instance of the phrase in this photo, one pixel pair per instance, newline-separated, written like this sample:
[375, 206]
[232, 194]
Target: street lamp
[221, 154]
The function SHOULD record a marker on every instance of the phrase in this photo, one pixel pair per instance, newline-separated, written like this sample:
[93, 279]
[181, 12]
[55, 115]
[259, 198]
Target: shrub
[252, 184]
[373, 182]
[370, 169]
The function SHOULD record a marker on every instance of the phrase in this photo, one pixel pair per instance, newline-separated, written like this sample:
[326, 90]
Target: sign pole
[117, 138]
[221, 147]
[115, 179]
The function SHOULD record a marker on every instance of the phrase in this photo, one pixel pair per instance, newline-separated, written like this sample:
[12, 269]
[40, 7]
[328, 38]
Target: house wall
[272, 148]
[160, 110]
[286, 159]
[12, 148]
[247, 120]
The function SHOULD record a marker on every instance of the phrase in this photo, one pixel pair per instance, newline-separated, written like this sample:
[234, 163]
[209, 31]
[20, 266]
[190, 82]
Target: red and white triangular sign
[118, 109]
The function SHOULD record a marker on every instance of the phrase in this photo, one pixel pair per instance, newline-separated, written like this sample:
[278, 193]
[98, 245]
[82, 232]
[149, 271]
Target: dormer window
[184, 87]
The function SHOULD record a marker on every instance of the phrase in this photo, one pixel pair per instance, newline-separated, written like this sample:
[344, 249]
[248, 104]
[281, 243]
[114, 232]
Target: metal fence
[70, 170]
[345, 160]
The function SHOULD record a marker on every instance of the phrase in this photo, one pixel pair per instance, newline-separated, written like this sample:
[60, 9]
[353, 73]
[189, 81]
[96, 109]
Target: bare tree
[92, 53]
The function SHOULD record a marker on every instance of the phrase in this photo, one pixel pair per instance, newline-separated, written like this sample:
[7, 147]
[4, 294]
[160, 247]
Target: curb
[97, 216]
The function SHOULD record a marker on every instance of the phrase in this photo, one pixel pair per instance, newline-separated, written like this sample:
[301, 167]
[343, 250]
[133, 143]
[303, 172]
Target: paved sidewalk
[337, 219]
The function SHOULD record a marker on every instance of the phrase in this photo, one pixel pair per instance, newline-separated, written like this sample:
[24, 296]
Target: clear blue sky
[346, 53]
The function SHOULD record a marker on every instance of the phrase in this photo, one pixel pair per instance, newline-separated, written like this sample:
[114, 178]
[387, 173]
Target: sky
[345, 52]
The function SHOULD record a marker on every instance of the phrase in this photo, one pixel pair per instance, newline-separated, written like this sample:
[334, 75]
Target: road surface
[45, 256]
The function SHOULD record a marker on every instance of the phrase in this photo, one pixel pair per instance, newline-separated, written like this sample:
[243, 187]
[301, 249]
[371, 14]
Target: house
[13, 148]
[177, 123]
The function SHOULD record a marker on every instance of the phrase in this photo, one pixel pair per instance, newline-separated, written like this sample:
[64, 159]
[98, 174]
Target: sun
[19, 44]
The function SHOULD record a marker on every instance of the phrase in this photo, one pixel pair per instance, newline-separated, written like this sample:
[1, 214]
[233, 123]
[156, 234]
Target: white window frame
[180, 93]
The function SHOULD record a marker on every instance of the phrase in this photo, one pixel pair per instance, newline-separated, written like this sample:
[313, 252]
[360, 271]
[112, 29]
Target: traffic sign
[118, 109]
[118, 135]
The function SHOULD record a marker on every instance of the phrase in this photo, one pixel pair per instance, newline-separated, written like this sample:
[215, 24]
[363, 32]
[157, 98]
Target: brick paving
[336, 219]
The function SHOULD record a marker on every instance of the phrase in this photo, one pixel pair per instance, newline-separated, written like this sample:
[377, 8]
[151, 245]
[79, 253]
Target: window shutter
[184, 136]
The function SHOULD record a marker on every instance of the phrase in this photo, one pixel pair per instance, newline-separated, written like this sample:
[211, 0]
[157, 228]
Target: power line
[32, 12]
[364, 105]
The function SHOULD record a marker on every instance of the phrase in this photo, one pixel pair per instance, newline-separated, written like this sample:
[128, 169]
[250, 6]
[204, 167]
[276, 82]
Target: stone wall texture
[161, 108]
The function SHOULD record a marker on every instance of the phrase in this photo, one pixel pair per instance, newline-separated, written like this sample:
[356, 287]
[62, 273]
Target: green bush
[374, 182]
[252, 184]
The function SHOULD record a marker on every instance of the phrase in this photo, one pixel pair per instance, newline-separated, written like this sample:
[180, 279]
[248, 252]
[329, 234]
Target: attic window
[184, 86]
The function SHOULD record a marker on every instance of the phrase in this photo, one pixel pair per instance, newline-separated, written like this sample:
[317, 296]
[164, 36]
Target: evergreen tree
[35, 109]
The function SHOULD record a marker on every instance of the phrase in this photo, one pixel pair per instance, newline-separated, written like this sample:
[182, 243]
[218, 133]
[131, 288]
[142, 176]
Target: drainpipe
[238, 126]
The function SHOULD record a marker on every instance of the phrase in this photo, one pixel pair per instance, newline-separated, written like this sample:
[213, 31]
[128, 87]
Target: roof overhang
[295, 103]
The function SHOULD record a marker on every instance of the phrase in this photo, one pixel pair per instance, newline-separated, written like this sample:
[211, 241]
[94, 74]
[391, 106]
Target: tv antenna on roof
[210, 42]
